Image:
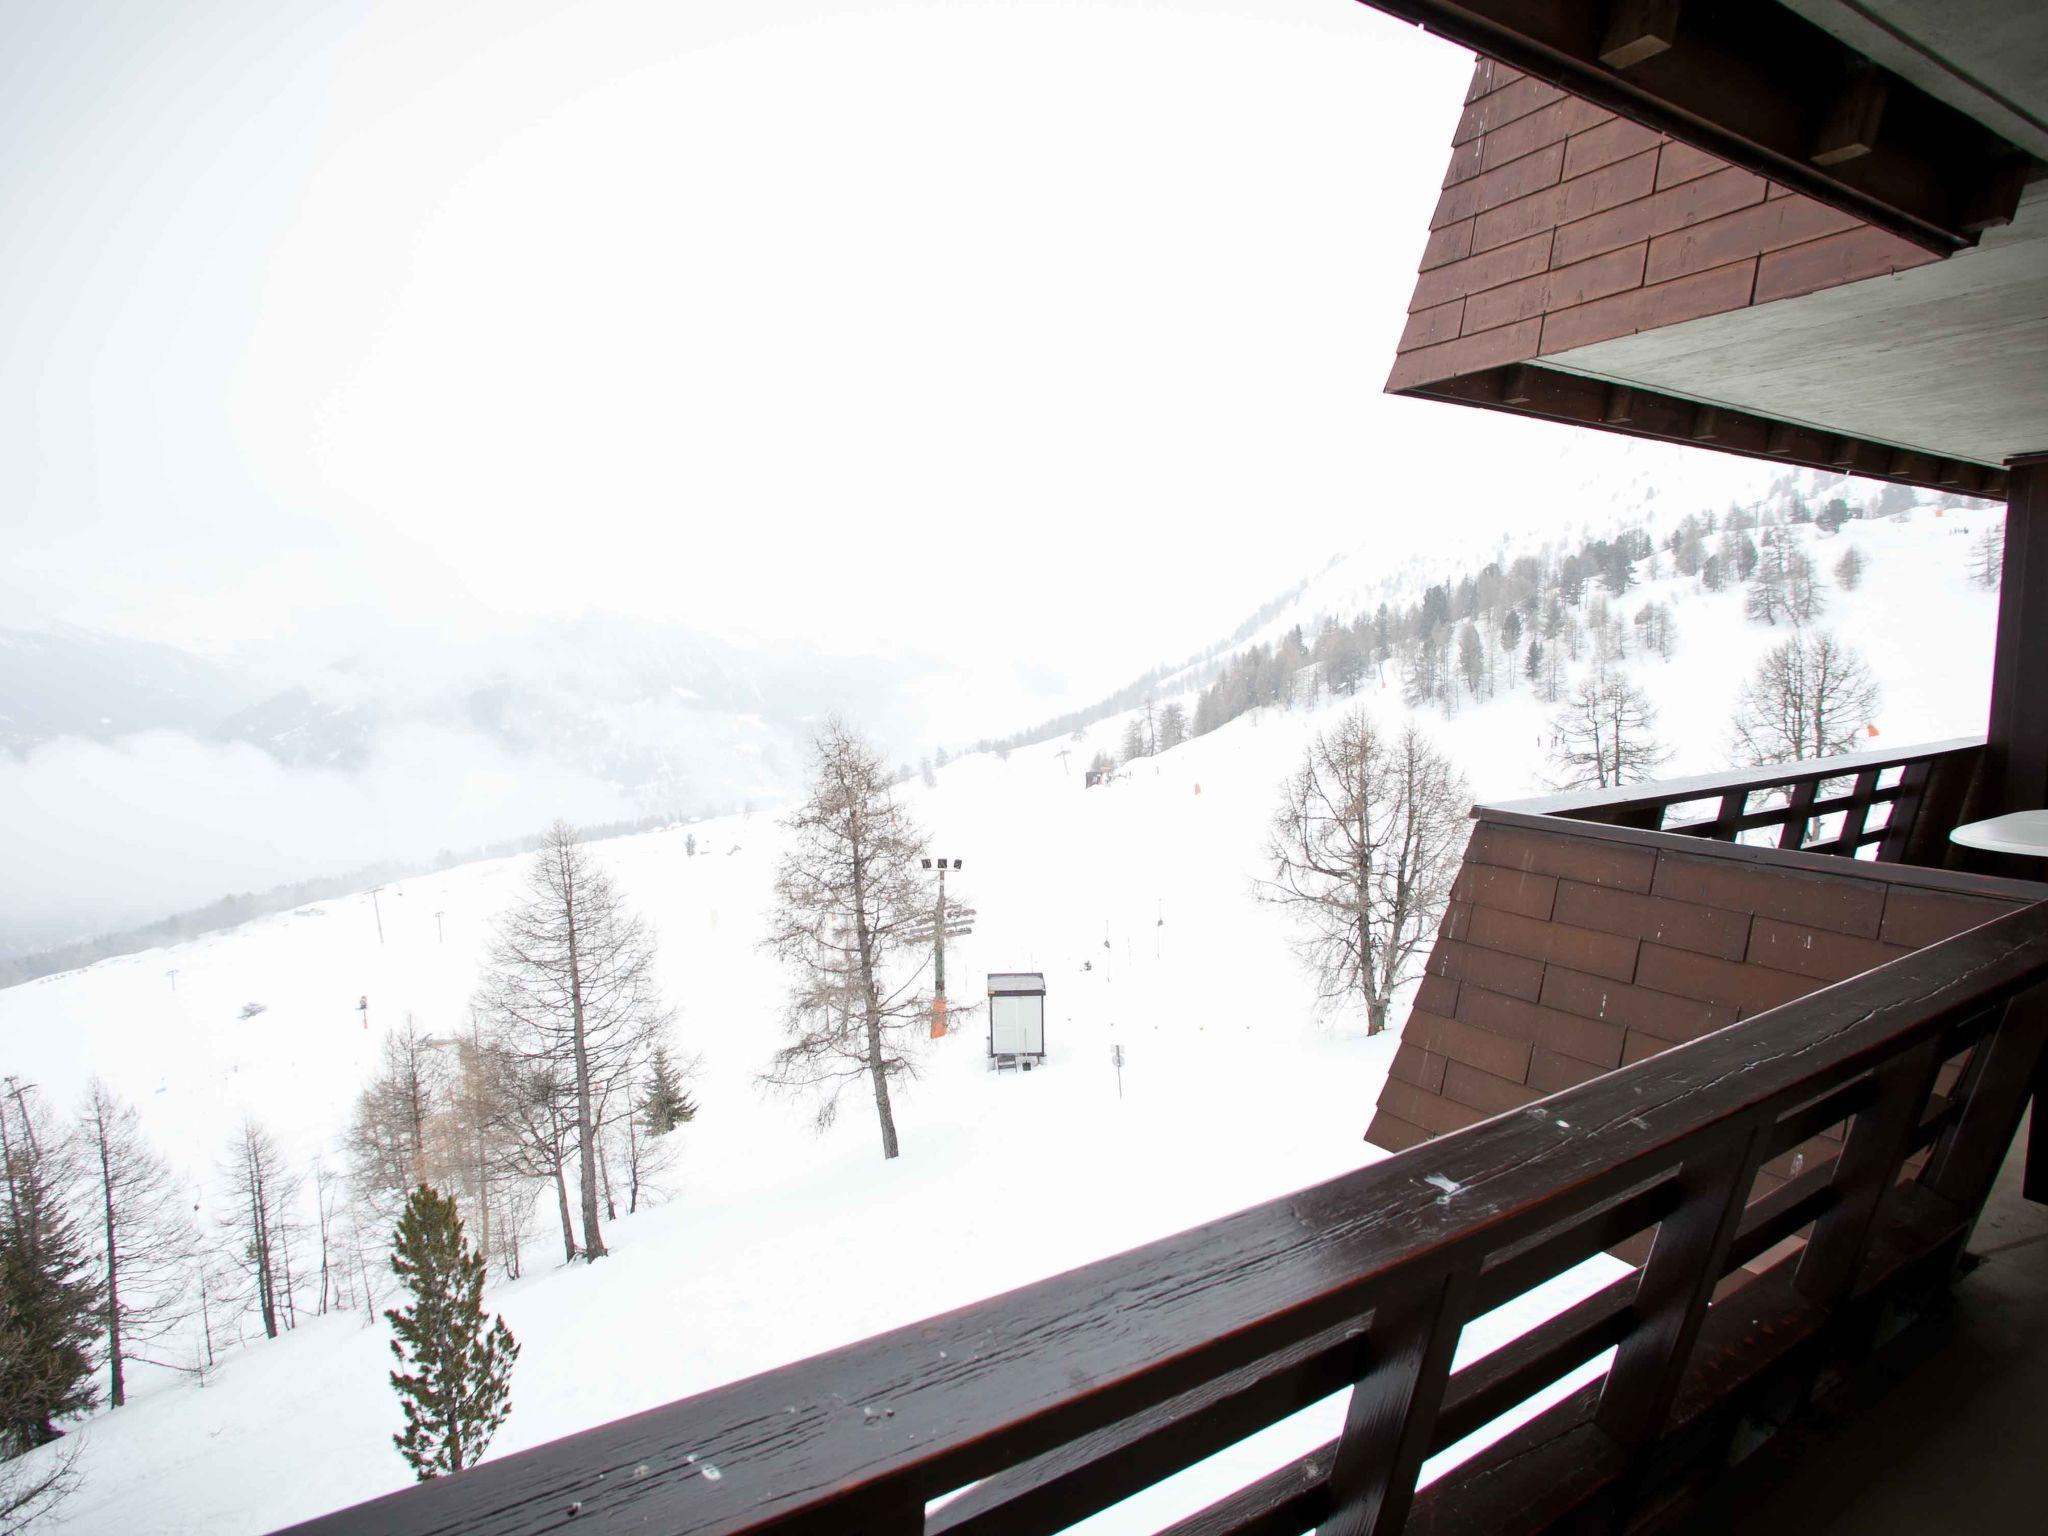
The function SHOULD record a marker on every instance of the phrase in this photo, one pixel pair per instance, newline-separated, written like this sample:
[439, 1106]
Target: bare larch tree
[571, 985]
[1809, 697]
[149, 1245]
[1602, 736]
[847, 900]
[261, 1209]
[386, 1139]
[1363, 851]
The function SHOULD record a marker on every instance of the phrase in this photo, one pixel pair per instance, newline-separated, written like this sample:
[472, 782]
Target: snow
[1133, 900]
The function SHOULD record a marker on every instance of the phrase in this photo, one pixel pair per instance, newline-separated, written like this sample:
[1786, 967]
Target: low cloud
[100, 836]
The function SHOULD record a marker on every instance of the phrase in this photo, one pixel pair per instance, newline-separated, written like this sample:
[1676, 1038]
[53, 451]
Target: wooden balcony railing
[1067, 1396]
[1902, 803]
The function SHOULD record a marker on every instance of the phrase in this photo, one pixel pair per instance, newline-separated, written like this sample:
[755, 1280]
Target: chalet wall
[1567, 953]
[1561, 225]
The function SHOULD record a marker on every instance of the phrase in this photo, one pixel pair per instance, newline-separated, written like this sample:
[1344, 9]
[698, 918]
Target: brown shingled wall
[1567, 952]
[1561, 224]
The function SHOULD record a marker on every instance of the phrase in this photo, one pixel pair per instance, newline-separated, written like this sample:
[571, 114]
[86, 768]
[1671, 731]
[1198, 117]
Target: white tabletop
[2022, 832]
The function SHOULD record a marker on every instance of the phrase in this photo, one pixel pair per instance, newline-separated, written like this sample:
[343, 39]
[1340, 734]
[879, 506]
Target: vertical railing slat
[1865, 1170]
[1793, 836]
[1995, 1090]
[1392, 1414]
[1685, 1264]
[1899, 832]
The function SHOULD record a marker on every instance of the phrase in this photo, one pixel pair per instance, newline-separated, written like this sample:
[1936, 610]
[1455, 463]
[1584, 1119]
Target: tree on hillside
[536, 1115]
[1173, 725]
[1809, 697]
[454, 1376]
[1785, 587]
[1602, 736]
[665, 1104]
[261, 1209]
[1740, 552]
[51, 1306]
[640, 1144]
[386, 1138]
[847, 902]
[30, 1491]
[1804, 597]
[1849, 569]
[1510, 643]
[144, 1226]
[1362, 853]
[1655, 630]
[471, 1144]
[571, 986]
[1472, 661]
[1987, 557]
[1134, 744]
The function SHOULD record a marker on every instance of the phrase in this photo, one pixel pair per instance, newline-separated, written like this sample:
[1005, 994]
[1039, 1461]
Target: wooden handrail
[1066, 1394]
[1578, 803]
[1924, 801]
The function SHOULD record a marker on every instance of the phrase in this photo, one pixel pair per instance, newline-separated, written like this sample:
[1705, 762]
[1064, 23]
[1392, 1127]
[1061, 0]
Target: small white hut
[1016, 1019]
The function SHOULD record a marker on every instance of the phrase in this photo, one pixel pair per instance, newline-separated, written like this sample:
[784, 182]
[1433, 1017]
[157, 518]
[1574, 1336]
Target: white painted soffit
[1988, 58]
[1949, 359]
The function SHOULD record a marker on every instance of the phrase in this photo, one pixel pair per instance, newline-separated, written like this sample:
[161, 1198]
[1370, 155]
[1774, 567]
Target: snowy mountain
[237, 779]
[1136, 902]
[69, 682]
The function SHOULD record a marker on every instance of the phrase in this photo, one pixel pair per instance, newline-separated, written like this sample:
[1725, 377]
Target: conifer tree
[666, 1105]
[49, 1300]
[454, 1379]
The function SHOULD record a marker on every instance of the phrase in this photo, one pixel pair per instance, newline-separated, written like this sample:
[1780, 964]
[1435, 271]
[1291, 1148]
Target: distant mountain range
[677, 720]
[64, 682]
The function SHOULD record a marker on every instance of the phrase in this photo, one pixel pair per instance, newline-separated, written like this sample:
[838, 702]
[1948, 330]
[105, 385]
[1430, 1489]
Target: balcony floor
[1947, 1432]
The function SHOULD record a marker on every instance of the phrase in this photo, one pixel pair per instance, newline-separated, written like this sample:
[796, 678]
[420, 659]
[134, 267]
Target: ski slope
[1135, 900]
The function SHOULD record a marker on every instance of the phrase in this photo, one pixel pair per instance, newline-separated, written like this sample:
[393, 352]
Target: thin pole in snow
[374, 907]
[173, 974]
[439, 936]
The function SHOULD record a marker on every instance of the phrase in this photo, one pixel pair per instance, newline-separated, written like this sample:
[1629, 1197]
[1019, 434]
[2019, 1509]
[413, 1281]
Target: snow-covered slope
[1134, 900]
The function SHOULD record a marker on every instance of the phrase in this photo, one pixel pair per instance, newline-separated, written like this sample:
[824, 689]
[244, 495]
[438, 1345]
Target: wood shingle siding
[1570, 949]
[1561, 224]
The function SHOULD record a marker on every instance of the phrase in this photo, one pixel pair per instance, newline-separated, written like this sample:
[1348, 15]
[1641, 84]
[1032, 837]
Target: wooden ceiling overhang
[1763, 88]
[1529, 389]
[1718, 225]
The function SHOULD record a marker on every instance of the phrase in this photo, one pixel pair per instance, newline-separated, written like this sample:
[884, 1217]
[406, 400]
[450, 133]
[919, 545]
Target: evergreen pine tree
[454, 1379]
[50, 1302]
[666, 1105]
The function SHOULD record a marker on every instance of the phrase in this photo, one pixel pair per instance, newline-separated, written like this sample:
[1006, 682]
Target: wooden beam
[1854, 117]
[1638, 30]
[1739, 81]
[1529, 389]
[2016, 741]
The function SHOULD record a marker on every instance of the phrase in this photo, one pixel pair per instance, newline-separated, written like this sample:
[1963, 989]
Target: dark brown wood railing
[1902, 804]
[1065, 1397]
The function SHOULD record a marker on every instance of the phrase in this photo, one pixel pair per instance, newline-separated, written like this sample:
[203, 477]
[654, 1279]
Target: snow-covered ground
[1135, 901]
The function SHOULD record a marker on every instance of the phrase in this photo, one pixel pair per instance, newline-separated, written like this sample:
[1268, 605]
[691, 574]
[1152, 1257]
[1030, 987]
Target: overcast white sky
[787, 318]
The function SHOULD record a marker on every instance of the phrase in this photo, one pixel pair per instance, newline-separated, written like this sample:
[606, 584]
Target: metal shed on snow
[1016, 1018]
